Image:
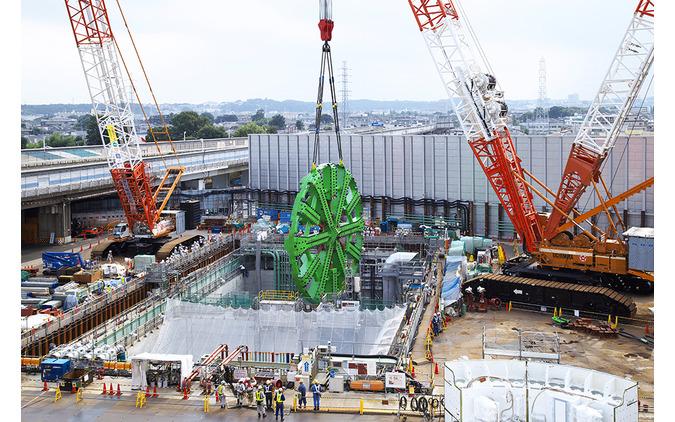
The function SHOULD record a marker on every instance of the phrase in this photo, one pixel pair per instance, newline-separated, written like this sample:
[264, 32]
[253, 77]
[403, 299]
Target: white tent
[140, 363]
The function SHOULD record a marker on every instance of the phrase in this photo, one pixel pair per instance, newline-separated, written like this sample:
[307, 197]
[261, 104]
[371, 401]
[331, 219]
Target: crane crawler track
[586, 299]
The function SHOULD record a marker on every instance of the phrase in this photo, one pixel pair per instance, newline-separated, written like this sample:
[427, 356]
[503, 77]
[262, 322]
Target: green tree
[299, 125]
[278, 121]
[326, 118]
[259, 115]
[89, 124]
[270, 129]
[557, 112]
[61, 140]
[188, 122]
[211, 132]
[249, 128]
[208, 116]
[24, 142]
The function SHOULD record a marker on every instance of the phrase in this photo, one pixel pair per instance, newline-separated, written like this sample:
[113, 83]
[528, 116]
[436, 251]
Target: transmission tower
[345, 94]
[542, 111]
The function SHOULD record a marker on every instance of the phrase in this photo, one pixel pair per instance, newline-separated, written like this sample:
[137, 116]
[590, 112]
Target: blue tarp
[58, 260]
[452, 282]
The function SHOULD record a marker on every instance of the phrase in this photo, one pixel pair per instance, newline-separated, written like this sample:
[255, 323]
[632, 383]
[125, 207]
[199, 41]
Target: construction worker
[316, 394]
[302, 389]
[268, 394]
[239, 390]
[279, 398]
[221, 394]
[260, 402]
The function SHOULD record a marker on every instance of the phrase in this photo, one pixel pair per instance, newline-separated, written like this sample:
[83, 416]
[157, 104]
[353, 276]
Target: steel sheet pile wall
[443, 168]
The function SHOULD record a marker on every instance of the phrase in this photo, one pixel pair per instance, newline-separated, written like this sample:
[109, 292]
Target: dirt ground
[618, 356]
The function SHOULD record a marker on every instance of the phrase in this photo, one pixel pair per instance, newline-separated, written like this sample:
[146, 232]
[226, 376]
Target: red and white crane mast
[480, 108]
[112, 109]
[607, 114]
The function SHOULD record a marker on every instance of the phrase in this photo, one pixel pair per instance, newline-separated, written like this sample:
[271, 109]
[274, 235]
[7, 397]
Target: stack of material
[587, 325]
[86, 277]
[475, 243]
[193, 214]
[142, 262]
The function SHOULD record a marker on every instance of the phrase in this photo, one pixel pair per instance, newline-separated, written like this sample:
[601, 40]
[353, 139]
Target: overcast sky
[224, 50]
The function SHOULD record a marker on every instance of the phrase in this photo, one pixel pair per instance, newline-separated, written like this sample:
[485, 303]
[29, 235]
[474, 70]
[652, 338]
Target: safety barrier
[559, 311]
[266, 357]
[277, 295]
[341, 403]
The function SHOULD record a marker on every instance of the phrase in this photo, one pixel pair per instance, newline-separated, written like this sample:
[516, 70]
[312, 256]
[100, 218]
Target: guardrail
[80, 311]
[148, 150]
[106, 182]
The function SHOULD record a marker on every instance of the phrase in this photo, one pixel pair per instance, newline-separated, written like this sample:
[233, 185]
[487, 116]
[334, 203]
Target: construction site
[477, 276]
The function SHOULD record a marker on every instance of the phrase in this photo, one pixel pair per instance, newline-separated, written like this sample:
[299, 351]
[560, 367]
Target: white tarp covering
[196, 329]
[140, 363]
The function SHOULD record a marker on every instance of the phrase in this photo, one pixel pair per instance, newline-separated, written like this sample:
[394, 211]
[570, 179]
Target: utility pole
[542, 111]
[345, 93]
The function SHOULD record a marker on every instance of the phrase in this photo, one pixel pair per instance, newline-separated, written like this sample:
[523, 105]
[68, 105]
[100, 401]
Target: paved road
[43, 409]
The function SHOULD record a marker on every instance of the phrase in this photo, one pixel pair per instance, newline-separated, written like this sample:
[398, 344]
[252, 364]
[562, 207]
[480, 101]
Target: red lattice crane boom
[480, 109]
[111, 106]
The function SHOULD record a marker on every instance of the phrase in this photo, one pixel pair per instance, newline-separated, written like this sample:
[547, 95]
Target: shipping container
[640, 248]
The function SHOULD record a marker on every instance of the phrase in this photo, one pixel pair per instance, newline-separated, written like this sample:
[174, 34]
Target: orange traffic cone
[185, 395]
[217, 397]
[436, 369]
[89, 246]
[119, 391]
[81, 248]
[104, 390]
[154, 392]
[413, 372]
[111, 392]
[73, 389]
[45, 387]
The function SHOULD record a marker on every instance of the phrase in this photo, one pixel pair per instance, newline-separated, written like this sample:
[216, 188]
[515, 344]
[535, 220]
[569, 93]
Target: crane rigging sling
[325, 240]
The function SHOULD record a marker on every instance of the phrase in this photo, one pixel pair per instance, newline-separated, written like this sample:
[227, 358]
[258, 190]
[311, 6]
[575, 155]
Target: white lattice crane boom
[607, 113]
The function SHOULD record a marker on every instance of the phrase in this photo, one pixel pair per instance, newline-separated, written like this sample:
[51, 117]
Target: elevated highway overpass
[52, 178]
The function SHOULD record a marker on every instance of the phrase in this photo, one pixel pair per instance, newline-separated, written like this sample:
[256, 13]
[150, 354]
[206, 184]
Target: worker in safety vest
[316, 394]
[260, 402]
[279, 399]
[268, 394]
[221, 394]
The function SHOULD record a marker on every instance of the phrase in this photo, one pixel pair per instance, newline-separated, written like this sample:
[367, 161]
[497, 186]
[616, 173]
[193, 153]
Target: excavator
[593, 257]
[146, 230]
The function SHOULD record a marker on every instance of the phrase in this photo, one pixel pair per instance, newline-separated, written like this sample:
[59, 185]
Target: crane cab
[121, 230]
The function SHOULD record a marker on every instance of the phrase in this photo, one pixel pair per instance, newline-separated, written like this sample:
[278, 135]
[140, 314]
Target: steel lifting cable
[326, 61]
[152, 93]
[133, 88]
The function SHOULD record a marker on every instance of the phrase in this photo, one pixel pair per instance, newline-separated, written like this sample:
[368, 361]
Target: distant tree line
[555, 112]
[186, 124]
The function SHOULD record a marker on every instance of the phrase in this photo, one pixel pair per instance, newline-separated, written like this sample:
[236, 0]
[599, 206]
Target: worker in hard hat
[316, 394]
[260, 402]
[279, 399]
[268, 394]
[221, 394]
[302, 390]
[239, 390]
